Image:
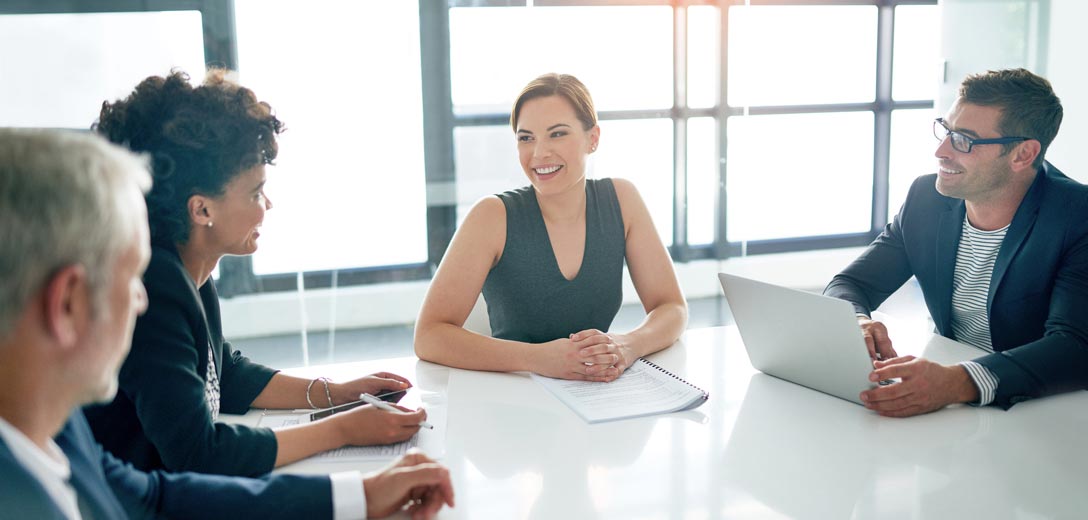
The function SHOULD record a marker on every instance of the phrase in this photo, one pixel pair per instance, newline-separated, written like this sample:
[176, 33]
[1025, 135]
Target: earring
[593, 148]
[209, 223]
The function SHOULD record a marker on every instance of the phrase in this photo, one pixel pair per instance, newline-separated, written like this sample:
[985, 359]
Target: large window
[348, 189]
[802, 127]
[57, 68]
[800, 174]
[748, 127]
[801, 55]
[826, 104]
[628, 68]
[914, 78]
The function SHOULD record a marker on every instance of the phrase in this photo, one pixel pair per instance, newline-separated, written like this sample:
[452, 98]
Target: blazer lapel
[209, 309]
[21, 494]
[1022, 223]
[90, 493]
[949, 228]
[96, 499]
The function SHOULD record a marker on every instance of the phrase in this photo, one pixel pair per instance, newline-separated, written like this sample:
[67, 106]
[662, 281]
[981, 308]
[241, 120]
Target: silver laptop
[804, 338]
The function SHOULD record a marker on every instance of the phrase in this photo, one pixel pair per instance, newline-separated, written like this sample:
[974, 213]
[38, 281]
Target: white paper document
[643, 389]
[383, 452]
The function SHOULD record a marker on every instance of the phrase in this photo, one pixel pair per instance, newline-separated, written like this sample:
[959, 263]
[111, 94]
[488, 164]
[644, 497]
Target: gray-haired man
[73, 246]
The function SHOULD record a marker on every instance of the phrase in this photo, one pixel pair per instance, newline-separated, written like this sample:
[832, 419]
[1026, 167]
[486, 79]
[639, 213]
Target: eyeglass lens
[960, 142]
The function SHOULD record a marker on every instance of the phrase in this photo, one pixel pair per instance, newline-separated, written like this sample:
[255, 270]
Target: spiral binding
[706, 395]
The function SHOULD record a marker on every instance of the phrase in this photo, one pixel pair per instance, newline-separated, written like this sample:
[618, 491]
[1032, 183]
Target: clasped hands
[588, 355]
[923, 386]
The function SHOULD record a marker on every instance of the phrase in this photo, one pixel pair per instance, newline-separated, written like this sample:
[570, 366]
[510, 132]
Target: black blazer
[107, 488]
[160, 417]
[1038, 299]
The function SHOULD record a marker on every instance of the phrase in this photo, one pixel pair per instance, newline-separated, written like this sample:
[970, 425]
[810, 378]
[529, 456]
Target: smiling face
[983, 174]
[553, 145]
[238, 212]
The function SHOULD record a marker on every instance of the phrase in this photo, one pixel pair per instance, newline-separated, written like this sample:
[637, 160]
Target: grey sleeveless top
[528, 299]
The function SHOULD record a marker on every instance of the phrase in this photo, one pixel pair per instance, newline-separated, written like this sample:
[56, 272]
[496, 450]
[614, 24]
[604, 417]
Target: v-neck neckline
[551, 246]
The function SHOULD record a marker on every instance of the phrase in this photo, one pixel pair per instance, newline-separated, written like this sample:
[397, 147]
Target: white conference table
[759, 448]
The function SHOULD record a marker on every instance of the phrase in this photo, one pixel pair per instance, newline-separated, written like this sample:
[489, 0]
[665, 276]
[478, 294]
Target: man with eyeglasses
[998, 240]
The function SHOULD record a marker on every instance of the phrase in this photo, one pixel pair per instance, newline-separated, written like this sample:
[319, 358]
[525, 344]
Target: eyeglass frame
[971, 141]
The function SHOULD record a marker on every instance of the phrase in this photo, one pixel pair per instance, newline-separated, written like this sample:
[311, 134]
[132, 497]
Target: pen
[389, 408]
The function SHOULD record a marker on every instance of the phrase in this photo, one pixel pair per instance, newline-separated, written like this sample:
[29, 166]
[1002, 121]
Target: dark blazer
[108, 488]
[1038, 299]
[160, 417]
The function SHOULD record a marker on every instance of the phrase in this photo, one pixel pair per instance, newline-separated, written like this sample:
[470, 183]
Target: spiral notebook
[643, 389]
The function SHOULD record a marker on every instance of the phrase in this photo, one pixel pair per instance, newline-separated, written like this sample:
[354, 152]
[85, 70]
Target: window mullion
[438, 123]
[721, 203]
[680, 135]
[882, 117]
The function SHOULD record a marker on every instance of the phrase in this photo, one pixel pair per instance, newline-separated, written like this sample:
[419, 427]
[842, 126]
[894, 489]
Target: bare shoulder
[625, 190]
[631, 205]
[484, 228]
[486, 213]
[490, 207]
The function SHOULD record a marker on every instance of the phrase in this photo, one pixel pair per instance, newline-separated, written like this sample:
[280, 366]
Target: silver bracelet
[308, 388]
[328, 396]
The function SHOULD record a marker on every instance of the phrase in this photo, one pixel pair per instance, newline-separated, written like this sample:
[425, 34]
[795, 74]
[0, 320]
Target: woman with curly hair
[209, 145]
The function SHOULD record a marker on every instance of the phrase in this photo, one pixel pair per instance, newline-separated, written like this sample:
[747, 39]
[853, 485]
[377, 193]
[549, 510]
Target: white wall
[1066, 69]
[1045, 36]
[980, 35]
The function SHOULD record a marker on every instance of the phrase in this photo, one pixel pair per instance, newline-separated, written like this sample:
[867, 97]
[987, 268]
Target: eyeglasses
[962, 143]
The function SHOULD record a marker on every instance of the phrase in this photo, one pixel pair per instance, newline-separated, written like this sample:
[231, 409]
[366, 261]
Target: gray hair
[65, 200]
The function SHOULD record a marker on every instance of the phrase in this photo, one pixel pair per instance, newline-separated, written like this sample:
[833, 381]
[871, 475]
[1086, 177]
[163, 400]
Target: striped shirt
[975, 260]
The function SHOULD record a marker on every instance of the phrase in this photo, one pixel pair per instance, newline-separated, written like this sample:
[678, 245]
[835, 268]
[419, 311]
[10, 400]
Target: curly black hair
[198, 138]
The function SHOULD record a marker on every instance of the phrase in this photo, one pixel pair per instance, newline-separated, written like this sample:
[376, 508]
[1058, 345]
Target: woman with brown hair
[548, 258]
